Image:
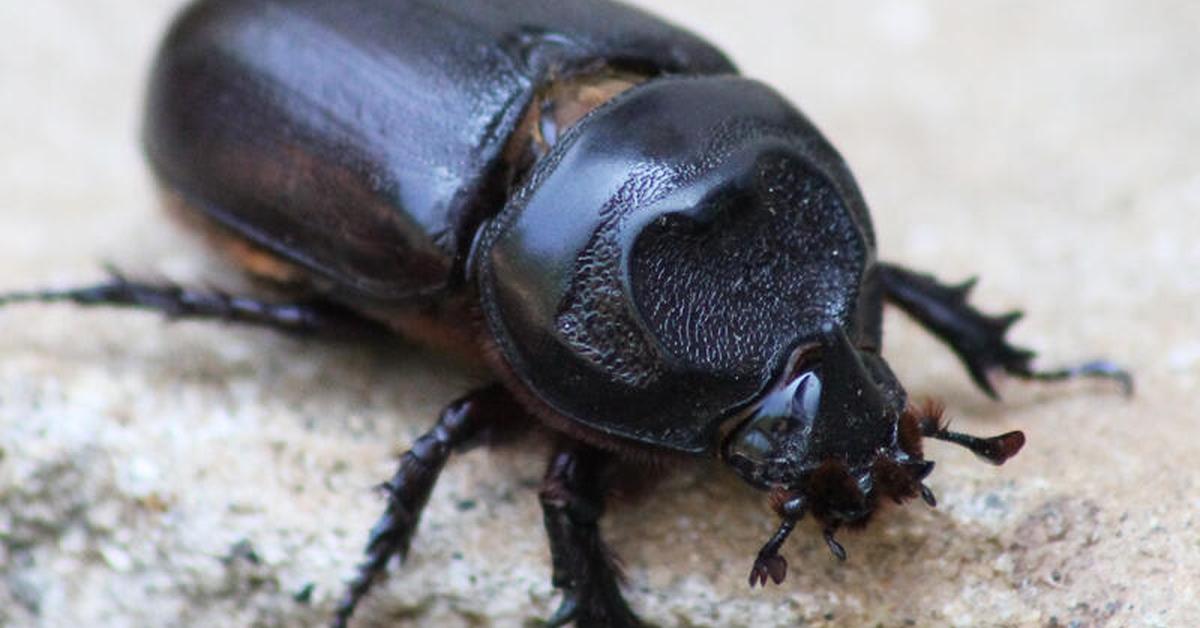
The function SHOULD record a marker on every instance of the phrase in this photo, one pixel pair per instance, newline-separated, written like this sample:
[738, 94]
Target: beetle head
[826, 432]
[833, 438]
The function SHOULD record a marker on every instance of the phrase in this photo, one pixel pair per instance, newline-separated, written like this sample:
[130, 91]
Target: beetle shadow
[699, 523]
[695, 537]
[369, 382]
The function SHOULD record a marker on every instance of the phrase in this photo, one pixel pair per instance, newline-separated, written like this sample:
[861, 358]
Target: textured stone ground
[191, 474]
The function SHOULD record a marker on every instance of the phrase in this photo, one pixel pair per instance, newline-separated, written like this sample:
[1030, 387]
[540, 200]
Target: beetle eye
[754, 444]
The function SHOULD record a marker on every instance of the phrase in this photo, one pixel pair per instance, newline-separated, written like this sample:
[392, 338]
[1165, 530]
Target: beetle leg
[978, 338]
[461, 425]
[768, 563]
[177, 302]
[585, 569]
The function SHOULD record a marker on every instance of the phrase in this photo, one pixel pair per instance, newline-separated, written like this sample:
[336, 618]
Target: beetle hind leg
[584, 568]
[176, 302]
[462, 424]
[977, 338]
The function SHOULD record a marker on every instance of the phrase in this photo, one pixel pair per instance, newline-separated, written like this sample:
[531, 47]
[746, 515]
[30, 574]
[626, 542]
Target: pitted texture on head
[718, 280]
[764, 264]
[594, 317]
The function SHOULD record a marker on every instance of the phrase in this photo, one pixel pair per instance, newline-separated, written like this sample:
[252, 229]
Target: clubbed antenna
[927, 420]
[995, 450]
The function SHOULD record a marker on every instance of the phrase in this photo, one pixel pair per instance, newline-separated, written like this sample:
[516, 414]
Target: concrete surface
[198, 475]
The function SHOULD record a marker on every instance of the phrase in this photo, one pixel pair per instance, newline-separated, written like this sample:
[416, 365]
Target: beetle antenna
[995, 450]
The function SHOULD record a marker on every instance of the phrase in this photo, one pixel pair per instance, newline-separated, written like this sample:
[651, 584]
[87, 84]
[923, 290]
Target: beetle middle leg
[468, 421]
[585, 569]
[978, 338]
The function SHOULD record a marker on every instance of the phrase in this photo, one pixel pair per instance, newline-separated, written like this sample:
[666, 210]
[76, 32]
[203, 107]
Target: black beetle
[655, 255]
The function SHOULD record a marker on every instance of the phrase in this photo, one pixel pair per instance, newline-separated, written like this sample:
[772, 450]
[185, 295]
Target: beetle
[656, 256]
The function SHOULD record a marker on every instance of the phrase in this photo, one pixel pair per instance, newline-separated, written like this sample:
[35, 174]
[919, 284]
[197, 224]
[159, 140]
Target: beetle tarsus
[836, 548]
[1096, 369]
[928, 497]
[773, 567]
[977, 338]
[176, 302]
[586, 571]
[768, 563]
[408, 490]
[566, 612]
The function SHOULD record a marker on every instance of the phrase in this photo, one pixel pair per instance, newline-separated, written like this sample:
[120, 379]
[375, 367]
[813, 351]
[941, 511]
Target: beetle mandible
[654, 255]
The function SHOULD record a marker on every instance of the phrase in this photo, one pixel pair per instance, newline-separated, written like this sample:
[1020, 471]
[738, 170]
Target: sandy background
[199, 475]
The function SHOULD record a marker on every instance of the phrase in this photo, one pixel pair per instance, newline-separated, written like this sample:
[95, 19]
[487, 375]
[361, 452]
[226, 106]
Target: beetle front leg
[463, 423]
[585, 569]
[978, 338]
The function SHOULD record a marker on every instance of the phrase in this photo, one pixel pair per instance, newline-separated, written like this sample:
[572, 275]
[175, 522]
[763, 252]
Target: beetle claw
[963, 290]
[1096, 369]
[773, 567]
[999, 354]
[834, 546]
[928, 496]
[566, 611]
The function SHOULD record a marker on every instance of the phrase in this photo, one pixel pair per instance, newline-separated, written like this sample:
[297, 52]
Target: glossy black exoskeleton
[654, 255]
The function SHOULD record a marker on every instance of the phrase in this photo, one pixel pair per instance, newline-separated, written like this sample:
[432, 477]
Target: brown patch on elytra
[255, 260]
[558, 106]
[446, 326]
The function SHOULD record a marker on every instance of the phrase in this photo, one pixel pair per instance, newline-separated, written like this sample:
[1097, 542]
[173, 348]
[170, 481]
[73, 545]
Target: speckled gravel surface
[192, 474]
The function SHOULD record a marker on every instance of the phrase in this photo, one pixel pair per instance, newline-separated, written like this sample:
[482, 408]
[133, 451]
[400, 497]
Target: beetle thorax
[665, 258]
